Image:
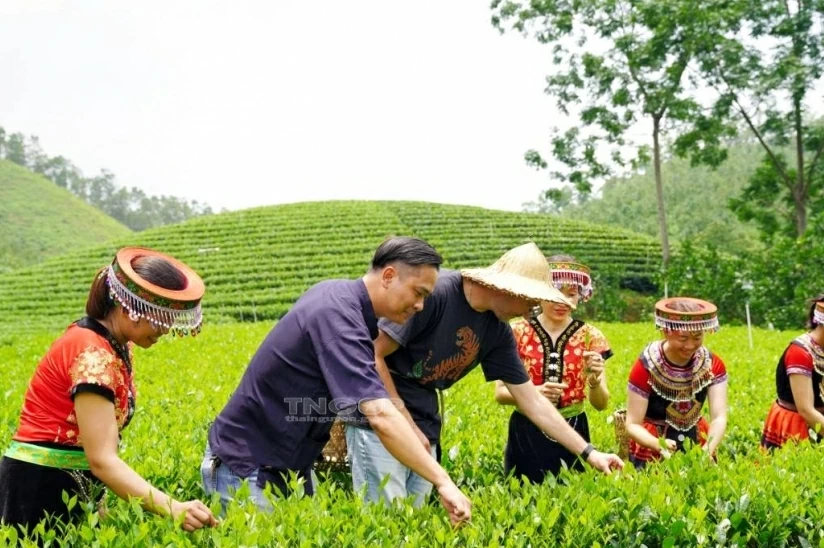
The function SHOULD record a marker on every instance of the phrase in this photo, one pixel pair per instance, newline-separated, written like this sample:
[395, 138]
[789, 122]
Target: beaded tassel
[679, 387]
[582, 280]
[710, 325]
[178, 322]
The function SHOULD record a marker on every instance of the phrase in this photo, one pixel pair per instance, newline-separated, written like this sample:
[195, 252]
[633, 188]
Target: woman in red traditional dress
[671, 380]
[82, 395]
[565, 359]
[799, 382]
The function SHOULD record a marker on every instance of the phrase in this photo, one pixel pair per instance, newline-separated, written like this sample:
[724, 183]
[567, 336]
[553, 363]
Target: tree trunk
[800, 193]
[800, 203]
[659, 190]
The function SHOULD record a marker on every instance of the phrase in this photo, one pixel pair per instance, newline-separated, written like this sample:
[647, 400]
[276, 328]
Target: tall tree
[766, 73]
[15, 149]
[624, 63]
[697, 199]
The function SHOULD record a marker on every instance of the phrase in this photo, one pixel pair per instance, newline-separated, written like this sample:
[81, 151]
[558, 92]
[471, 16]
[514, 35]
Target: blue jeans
[218, 478]
[372, 463]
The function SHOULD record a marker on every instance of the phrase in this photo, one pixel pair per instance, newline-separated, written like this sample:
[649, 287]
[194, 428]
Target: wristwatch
[587, 451]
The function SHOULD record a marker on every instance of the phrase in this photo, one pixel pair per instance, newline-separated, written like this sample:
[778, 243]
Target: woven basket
[619, 421]
[333, 457]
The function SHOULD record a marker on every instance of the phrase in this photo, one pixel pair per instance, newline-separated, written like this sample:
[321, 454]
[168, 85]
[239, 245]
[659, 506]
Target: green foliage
[617, 298]
[746, 499]
[709, 274]
[787, 276]
[257, 262]
[697, 199]
[764, 72]
[39, 220]
[130, 206]
[623, 63]
[778, 282]
[770, 203]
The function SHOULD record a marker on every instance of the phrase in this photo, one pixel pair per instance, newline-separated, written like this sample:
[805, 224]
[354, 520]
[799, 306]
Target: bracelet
[587, 451]
[593, 386]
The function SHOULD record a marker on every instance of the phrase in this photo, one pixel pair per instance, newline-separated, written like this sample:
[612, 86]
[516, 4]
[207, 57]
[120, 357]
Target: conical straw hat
[522, 272]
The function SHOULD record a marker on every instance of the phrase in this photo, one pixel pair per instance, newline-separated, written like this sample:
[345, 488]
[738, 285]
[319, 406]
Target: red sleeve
[95, 366]
[519, 331]
[524, 336]
[798, 361]
[719, 370]
[639, 380]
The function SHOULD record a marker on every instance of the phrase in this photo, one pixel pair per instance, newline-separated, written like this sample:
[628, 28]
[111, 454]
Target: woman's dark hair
[811, 316]
[407, 251]
[155, 270]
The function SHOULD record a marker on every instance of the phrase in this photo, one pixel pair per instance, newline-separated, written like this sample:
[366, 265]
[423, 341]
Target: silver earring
[134, 316]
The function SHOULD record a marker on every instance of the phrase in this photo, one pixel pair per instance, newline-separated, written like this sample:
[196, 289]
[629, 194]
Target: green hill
[256, 262]
[38, 219]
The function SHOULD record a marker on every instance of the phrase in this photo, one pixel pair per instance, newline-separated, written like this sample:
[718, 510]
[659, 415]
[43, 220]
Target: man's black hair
[407, 251]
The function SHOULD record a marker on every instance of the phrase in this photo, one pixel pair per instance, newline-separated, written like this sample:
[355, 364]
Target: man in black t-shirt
[463, 324]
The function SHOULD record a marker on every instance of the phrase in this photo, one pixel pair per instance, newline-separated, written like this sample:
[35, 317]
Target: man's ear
[388, 274]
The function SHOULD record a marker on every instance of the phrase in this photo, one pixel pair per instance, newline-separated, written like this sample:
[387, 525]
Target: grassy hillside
[256, 262]
[39, 219]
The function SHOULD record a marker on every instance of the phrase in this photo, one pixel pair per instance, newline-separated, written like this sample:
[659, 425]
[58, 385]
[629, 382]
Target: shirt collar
[368, 310]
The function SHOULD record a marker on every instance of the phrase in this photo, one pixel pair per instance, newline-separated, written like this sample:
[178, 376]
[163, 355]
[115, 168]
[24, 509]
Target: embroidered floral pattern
[100, 367]
[568, 365]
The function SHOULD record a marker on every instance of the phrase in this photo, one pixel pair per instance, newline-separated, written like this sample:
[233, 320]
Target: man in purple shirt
[318, 361]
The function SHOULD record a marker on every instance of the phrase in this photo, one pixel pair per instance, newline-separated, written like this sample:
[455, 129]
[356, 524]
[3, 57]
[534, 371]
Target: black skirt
[30, 492]
[531, 454]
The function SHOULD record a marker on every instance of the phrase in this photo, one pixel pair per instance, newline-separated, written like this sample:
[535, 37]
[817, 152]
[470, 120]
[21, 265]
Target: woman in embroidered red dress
[82, 395]
[799, 380]
[670, 382]
[564, 357]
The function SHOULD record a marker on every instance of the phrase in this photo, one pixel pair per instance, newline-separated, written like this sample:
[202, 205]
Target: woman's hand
[671, 447]
[593, 367]
[552, 391]
[197, 515]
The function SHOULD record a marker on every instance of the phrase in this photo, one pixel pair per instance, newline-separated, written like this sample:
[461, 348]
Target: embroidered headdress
[177, 310]
[569, 273]
[522, 272]
[702, 317]
[818, 313]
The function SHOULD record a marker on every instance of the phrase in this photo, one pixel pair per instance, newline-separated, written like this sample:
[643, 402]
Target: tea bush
[746, 499]
[257, 262]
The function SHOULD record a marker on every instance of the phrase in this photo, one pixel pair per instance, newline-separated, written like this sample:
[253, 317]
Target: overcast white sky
[244, 103]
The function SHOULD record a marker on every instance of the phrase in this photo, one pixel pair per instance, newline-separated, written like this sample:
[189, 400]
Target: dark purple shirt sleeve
[346, 356]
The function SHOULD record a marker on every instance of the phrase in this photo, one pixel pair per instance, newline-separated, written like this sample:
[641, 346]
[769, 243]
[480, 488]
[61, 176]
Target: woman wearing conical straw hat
[564, 358]
[82, 395]
[799, 383]
[670, 382]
